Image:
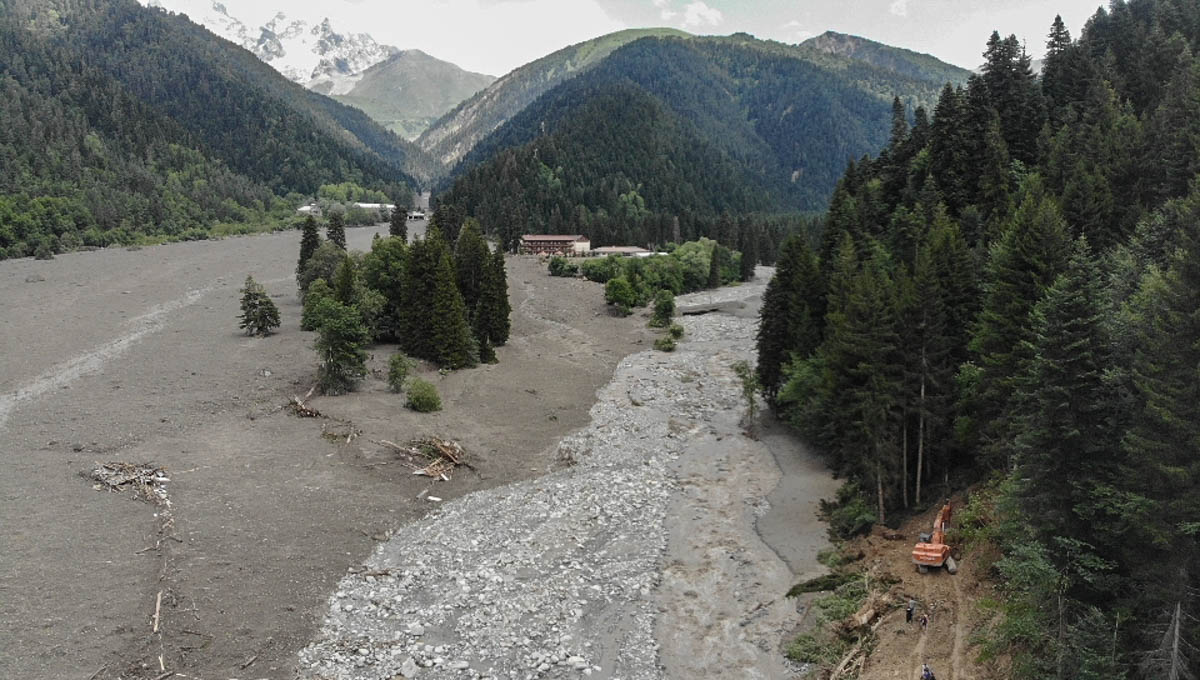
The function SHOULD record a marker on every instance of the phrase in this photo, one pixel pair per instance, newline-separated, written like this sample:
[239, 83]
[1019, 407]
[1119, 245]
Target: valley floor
[134, 356]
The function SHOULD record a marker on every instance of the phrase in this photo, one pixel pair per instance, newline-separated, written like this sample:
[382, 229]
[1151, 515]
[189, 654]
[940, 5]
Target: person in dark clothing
[908, 612]
[926, 674]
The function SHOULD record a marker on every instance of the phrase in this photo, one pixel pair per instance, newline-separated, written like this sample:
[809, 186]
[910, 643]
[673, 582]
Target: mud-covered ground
[135, 356]
[674, 567]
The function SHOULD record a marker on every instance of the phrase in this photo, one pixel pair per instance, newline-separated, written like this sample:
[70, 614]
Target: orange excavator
[931, 549]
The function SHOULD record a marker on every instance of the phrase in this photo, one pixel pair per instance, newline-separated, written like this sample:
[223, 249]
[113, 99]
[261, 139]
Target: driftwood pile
[431, 457]
[146, 482]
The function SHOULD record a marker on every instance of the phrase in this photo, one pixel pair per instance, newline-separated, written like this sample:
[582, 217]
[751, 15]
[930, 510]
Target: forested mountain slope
[455, 133]
[122, 121]
[668, 126]
[1008, 293]
[410, 90]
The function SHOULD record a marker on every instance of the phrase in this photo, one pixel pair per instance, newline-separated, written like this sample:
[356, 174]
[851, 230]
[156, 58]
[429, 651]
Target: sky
[496, 36]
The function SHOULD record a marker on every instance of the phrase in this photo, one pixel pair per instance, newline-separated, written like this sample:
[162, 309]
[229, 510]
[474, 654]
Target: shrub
[618, 292]
[850, 514]
[561, 266]
[675, 330]
[664, 309]
[399, 367]
[665, 344]
[43, 251]
[423, 397]
[601, 270]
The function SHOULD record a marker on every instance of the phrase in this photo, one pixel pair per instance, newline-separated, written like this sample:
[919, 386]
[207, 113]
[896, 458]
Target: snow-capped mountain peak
[303, 49]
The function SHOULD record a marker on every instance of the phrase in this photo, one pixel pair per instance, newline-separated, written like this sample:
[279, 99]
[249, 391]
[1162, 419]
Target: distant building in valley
[628, 251]
[555, 244]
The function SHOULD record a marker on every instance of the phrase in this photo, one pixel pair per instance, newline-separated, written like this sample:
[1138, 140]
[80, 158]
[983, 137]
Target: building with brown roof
[555, 244]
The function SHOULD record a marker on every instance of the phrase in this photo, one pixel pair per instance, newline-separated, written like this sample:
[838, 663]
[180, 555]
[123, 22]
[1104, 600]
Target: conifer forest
[1007, 296]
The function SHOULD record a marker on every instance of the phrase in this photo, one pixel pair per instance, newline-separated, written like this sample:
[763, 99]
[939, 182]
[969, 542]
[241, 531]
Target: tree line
[1008, 292]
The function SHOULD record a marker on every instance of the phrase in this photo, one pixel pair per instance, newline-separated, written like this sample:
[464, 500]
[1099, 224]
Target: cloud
[664, 11]
[899, 8]
[795, 29]
[699, 14]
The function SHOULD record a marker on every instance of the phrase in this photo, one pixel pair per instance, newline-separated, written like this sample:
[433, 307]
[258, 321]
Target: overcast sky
[496, 36]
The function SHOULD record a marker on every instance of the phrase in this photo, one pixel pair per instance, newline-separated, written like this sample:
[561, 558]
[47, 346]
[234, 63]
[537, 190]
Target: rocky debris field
[563, 576]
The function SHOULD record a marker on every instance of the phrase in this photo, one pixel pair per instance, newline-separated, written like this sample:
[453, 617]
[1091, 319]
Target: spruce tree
[471, 257]
[335, 231]
[450, 332]
[1027, 258]
[861, 356]
[787, 322]
[398, 226]
[341, 336]
[310, 240]
[1067, 449]
[259, 314]
[492, 321]
[420, 279]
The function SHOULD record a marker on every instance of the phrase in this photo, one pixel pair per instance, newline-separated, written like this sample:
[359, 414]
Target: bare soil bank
[135, 356]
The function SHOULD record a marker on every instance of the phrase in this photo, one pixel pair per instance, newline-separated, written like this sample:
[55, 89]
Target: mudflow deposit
[614, 523]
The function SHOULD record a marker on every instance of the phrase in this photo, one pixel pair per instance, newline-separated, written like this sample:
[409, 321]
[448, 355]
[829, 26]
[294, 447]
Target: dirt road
[135, 356]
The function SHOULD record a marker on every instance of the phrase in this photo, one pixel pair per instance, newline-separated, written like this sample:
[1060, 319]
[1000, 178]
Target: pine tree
[1054, 67]
[416, 308]
[950, 150]
[398, 226]
[259, 313]
[310, 240]
[335, 231]
[344, 288]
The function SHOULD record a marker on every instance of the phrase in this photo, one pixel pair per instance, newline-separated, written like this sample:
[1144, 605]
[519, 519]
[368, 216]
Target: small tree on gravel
[259, 313]
[750, 386]
[336, 231]
[340, 339]
[399, 366]
[423, 397]
[664, 309]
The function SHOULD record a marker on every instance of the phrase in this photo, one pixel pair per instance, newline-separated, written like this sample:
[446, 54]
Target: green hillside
[455, 133]
[122, 122]
[668, 126]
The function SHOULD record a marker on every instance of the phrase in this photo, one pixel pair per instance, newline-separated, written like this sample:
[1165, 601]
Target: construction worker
[926, 674]
[908, 611]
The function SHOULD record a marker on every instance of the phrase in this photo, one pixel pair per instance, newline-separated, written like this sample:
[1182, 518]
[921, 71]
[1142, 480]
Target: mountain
[906, 62]
[455, 133]
[123, 122]
[673, 126]
[405, 92]
[306, 51]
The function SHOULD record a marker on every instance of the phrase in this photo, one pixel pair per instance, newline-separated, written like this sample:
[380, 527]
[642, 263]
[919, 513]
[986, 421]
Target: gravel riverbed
[636, 559]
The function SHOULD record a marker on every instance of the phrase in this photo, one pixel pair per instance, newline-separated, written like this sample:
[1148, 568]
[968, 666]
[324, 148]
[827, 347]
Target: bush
[340, 339]
[618, 292]
[850, 514]
[675, 330]
[423, 397]
[561, 266]
[664, 309]
[665, 344]
[399, 366]
[601, 270]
